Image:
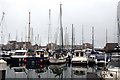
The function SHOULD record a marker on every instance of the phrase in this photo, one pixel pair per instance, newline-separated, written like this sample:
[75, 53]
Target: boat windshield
[113, 64]
[20, 53]
[81, 54]
[77, 54]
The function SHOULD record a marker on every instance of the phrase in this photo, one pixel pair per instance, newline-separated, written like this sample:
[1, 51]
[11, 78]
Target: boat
[57, 58]
[79, 56]
[112, 71]
[92, 57]
[59, 55]
[19, 56]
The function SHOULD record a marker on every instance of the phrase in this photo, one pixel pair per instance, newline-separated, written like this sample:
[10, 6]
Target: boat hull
[57, 61]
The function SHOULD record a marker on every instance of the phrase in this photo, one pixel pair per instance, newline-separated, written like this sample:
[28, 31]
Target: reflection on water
[79, 71]
[51, 71]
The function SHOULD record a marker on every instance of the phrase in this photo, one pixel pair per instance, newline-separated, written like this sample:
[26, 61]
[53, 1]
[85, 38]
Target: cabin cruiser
[112, 71]
[58, 57]
[79, 56]
[19, 56]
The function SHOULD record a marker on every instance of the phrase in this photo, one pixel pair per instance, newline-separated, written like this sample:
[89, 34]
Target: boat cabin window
[81, 54]
[20, 53]
[77, 54]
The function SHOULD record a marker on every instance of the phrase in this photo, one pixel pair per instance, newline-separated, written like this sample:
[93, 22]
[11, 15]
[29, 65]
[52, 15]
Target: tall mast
[49, 29]
[106, 37]
[61, 28]
[118, 17]
[66, 38]
[82, 35]
[29, 32]
[2, 29]
[72, 36]
[92, 38]
[31, 40]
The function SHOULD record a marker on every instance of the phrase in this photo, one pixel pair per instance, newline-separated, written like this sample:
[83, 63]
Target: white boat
[3, 64]
[19, 56]
[112, 71]
[57, 58]
[79, 57]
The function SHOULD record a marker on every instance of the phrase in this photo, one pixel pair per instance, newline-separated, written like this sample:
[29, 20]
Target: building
[110, 47]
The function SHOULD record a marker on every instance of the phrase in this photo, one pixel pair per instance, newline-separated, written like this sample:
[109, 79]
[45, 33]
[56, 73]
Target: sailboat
[59, 56]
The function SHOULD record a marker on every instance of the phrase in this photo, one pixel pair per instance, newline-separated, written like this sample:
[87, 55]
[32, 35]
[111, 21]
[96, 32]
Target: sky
[100, 14]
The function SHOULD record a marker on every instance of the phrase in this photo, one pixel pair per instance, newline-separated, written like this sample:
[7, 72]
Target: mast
[66, 38]
[106, 37]
[2, 30]
[72, 36]
[9, 37]
[29, 32]
[92, 38]
[49, 29]
[118, 12]
[82, 36]
[61, 28]
[16, 35]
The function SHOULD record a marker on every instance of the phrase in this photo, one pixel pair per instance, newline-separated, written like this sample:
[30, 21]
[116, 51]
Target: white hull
[79, 60]
[57, 61]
